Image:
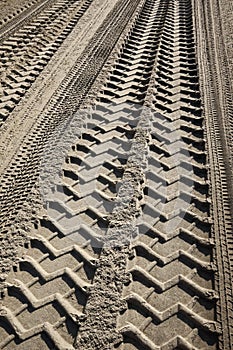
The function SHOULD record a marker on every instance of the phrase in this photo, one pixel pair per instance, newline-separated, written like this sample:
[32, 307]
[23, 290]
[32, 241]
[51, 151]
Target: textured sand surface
[116, 175]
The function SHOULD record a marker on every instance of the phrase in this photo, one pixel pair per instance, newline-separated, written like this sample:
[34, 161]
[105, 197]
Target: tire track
[25, 54]
[21, 16]
[221, 208]
[44, 299]
[18, 180]
[41, 270]
[54, 114]
[158, 291]
[155, 303]
[42, 267]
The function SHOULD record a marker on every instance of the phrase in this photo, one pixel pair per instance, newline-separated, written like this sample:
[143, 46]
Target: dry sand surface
[116, 175]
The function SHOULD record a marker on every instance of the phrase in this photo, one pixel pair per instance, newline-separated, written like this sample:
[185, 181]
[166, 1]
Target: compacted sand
[116, 167]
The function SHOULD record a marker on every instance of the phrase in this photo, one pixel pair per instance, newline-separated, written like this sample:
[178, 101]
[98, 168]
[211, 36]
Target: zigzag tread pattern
[46, 292]
[172, 274]
[58, 264]
[32, 46]
[63, 103]
[171, 300]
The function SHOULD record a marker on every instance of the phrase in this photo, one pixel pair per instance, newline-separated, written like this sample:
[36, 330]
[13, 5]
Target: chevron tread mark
[11, 12]
[46, 290]
[170, 275]
[172, 286]
[32, 45]
[51, 281]
[62, 105]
